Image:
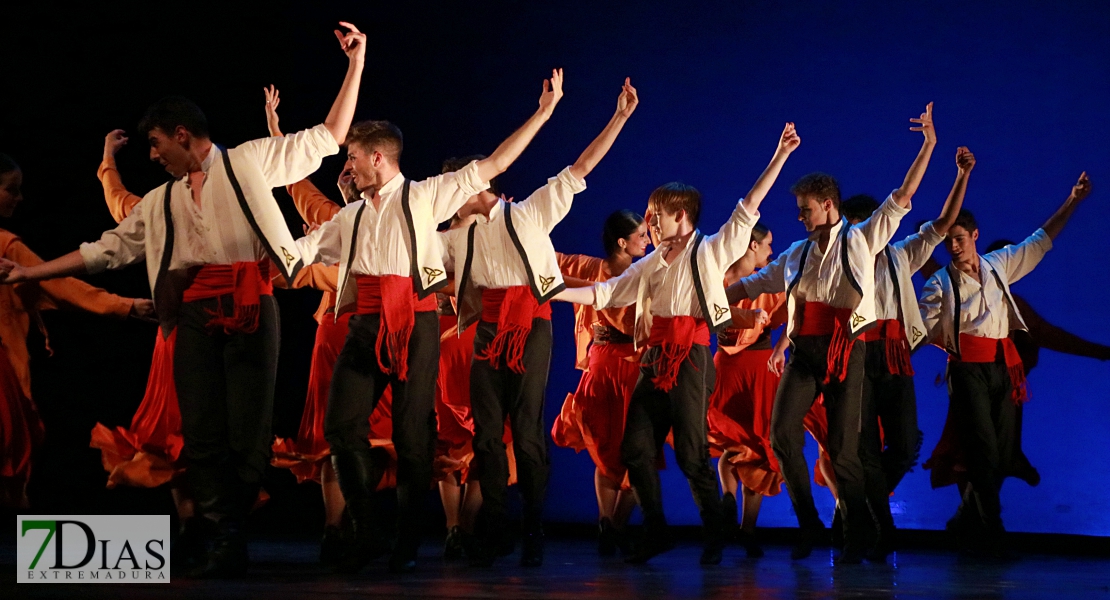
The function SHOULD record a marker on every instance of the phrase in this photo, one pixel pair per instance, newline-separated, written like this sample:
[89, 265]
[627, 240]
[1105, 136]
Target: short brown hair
[675, 196]
[818, 186]
[378, 136]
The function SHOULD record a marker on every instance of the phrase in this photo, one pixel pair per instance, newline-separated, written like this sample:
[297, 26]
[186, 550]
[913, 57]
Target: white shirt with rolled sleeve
[384, 241]
[900, 302]
[221, 230]
[511, 247]
[987, 308]
[823, 278]
[671, 288]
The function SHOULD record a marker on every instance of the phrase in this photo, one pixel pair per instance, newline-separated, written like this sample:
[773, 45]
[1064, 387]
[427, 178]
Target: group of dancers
[434, 342]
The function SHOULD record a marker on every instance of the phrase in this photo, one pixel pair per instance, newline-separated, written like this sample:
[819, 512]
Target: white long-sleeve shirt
[912, 254]
[986, 307]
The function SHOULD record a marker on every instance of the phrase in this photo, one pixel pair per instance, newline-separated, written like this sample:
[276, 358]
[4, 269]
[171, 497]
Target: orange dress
[21, 429]
[305, 455]
[593, 417]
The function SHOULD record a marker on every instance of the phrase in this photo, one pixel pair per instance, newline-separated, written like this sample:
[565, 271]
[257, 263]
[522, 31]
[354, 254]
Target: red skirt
[817, 424]
[740, 418]
[593, 417]
[305, 455]
[21, 430]
[146, 454]
[454, 418]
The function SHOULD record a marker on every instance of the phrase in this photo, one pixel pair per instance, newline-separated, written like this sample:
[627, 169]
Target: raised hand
[353, 42]
[143, 309]
[272, 100]
[1082, 188]
[628, 100]
[925, 122]
[790, 140]
[552, 91]
[113, 142]
[965, 160]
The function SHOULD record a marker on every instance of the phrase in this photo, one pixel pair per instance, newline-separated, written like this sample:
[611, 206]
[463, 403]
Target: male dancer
[832, 275]
[208, 238]
[888, 394]
[507, 271]
[387, 244]
[679, 285]
[969, 311]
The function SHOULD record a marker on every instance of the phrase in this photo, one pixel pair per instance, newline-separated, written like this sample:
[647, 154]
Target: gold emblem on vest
[916, 334]
[857, 319]
[432, 274]
[545, 282]
[718, 312]
[288, 257]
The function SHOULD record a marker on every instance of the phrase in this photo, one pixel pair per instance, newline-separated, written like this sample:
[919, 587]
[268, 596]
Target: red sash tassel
[675, 337]
[822, 319]
[392, 297]
[245, 281]
[975, 349]
[512, 309]
[896, 345]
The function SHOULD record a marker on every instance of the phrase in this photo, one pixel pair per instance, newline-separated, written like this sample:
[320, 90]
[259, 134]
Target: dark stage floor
[572, 570]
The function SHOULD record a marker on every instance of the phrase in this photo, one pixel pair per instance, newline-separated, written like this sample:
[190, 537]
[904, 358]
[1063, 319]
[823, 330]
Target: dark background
[1023, 84]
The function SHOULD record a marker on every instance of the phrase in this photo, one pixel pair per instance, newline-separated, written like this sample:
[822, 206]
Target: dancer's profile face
[636, 244]
[170, 150]
[813, 212]
[961, 243]
[11, 192]
[365, 165]
[665, 224]
[762, 250]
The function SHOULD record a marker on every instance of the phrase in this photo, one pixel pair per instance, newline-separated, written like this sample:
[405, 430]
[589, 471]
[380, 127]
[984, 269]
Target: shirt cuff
[742, 216]
[1041, 239]
[568, 179]
[891, 208]
[94, 257]
[468, 180]
[321, 140]
[930, 234]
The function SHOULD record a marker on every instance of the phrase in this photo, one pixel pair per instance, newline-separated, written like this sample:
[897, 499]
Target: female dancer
[592, 418]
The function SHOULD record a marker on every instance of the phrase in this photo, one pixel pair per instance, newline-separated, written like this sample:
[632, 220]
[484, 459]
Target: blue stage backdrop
[1025, 85]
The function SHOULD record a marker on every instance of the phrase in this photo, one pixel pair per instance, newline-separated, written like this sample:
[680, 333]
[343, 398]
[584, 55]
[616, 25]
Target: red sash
[822, 319]
[897, 346]
[392, 297]
[675, 337]
[245, 281]
[975, 349]
[512, 309]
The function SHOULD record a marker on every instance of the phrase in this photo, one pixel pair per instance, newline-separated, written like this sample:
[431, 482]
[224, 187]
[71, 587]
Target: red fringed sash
[513, 310]
[897, 345]
[674, 336]
[975, 349]
[245, 281]
[822, 319]
[392, 297]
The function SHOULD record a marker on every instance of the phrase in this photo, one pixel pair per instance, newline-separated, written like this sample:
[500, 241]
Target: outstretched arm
[917, 170]
[64, 266]
[788, 142]
[342, 110]
[626, 104]
[1079, 192]
[577, 295]
[1049, 336]
[505, 154]
[965, 162]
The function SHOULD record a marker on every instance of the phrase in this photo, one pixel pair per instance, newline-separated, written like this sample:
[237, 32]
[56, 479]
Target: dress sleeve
[120, 201]
[68, 292]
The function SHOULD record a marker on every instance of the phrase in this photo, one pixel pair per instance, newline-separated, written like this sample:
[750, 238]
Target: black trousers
[499, 393]
[890, 400]
[801, 384]
[986, 419]
[651, 414]
[225, 389]
[356, 386]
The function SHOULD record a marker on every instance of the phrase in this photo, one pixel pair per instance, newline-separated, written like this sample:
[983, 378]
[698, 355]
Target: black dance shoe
[531, 553]
[453, 547]
[608, 537]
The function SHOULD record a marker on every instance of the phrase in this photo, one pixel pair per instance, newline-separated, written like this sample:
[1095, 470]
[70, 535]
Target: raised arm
[120, 201]
[788, 143]
[342, 110]
[917, 170]
[505, 154]
[313, 206]
[965, 162]
[273, 98]
[626, 104]
[1079, 192]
